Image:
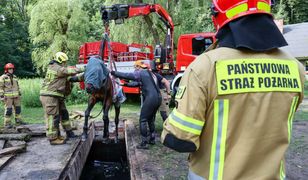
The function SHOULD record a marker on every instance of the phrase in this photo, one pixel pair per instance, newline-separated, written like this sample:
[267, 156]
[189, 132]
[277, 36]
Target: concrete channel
[72, 160]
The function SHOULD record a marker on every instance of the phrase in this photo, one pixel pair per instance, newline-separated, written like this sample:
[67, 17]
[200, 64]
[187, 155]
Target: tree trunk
[150, 24]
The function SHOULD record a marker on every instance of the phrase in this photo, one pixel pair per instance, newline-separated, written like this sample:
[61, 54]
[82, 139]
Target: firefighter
[52, 96]
[165, 93]
[148, 83]
[235, 103]
[10, 95]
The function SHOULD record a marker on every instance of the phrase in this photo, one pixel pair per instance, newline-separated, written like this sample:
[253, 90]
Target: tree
[15, 46]
[57, 25]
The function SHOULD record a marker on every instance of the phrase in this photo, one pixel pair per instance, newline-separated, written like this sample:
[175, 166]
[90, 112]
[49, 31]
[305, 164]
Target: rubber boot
[152, 139]
[57, 141]
[70, 134]
[143, 144]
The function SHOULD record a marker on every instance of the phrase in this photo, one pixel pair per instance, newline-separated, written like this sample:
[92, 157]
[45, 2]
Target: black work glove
[112, 73]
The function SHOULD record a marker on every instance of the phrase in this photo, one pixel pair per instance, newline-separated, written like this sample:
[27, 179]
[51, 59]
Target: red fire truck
[124, 55]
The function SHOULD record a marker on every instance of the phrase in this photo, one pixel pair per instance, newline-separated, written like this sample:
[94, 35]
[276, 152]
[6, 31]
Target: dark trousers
[147, 117]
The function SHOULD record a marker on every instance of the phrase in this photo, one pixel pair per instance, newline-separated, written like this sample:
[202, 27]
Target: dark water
[106, 161]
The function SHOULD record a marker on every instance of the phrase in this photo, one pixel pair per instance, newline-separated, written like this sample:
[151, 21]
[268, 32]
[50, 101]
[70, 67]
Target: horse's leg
[117, 106]
[91, 104]
[106, 121]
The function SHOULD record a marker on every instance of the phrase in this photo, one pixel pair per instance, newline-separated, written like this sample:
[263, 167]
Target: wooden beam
[12, 150]
[20, 137]
[4, 160]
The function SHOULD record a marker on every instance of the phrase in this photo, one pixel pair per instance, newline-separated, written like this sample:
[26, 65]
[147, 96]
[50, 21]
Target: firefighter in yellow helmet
[236, 102]
[52, 96]
[10, 95]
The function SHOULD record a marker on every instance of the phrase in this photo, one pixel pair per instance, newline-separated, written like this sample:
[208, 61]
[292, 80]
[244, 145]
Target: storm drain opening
[106, 161]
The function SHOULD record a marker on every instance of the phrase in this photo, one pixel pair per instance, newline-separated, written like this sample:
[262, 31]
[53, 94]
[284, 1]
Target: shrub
[30, 92]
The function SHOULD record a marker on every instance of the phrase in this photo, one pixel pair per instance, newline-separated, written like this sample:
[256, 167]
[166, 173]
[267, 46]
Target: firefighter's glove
[112, 73]
[81, 69]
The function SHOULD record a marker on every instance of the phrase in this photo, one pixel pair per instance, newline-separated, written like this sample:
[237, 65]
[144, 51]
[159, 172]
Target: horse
[105, 96]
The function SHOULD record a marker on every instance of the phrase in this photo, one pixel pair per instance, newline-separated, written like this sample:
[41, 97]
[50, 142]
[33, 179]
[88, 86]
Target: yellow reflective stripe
[11, 94]
[182, 127]
[257, 75]
[221, 113]
[65, 122]
[282, 169]
[45, 92]
[188, 119]
[290, 117]
[264, 6]
[237, 10]
[50, 123]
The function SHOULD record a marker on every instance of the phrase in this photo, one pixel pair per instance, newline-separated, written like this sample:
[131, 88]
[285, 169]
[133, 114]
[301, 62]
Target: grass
[30, 91]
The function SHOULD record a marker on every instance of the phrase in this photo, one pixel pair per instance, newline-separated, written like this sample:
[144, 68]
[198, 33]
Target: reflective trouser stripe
[194, 176]
[290, 117]
[51, 133]
[221, 110]
[282, 169]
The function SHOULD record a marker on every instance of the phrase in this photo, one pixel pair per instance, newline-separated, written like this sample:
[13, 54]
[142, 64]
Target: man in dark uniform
[236, 102]
[148, 83]
[164, 87]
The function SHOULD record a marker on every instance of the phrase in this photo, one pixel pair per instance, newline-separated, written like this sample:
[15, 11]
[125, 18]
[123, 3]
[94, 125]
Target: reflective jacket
[234, 114]
[56, 80]
[9, 86]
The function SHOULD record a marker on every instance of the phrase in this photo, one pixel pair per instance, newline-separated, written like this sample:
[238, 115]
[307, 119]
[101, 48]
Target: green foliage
[292, 11]
[14, 44]
[57, 25]
[78, 96]
[30, 92]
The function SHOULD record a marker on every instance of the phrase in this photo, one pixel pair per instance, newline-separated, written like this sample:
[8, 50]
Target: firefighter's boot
[18, 122]
[7, 122]
[57, 141]
[70, 134]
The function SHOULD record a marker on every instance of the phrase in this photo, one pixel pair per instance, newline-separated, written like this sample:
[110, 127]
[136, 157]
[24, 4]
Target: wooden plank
[135, 169]
[13, 143]
[78, 158]
[2, 142]
[23, 137]
[12, 150]
[4, 160]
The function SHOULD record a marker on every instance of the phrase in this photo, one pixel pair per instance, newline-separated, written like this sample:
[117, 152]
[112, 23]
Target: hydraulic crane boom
[119, 12]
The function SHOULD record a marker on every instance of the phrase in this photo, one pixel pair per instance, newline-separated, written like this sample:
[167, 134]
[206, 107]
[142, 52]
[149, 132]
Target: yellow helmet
[61, 57]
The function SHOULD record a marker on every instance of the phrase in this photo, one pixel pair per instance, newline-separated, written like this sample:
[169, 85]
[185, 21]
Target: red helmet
[9, 66]
[224, 11]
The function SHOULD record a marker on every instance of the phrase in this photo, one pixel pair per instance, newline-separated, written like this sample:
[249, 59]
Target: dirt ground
[297, 155]
[169, 164]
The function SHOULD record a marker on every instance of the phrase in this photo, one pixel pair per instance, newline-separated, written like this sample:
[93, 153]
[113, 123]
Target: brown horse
[105, 96]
